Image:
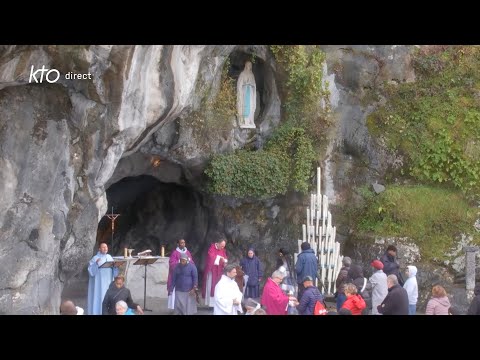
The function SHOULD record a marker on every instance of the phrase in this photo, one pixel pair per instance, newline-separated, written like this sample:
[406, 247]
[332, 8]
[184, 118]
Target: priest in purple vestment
[214, 265]
[273, 298]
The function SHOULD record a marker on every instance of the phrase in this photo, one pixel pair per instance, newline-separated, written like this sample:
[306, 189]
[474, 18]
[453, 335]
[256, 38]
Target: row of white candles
[323, 236]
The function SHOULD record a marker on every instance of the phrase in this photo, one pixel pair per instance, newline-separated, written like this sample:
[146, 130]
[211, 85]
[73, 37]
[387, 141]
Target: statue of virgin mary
[246, 97]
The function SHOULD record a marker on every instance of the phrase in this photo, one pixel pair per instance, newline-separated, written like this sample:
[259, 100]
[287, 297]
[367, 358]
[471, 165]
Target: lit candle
[163, 251]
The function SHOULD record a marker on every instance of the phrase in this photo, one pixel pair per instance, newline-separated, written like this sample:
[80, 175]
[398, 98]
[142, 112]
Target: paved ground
[77, 291]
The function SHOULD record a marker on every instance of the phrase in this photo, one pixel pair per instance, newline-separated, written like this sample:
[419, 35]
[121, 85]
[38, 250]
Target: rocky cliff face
[64, 143]
[357, 72]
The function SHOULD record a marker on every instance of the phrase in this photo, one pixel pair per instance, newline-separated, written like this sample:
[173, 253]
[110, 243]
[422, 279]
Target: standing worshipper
[240, 279]
[412, 289]
[307, 265]
[185, 283]
[309, 298]
[215, 263]
[390, 263]
[284, 265]
[474, 308]
[99, 279]
[341, 280]
[116, 292]
[439, 304]
[252, 267]
[379, 285]
[396, 301]
[364, 287]
[273, 298]
[355, 303]
[228, 297]
[173, 261]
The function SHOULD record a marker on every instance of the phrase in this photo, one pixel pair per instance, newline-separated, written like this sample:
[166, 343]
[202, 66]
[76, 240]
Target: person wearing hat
[309, 297]
[307, 264]
[185, 283]
[379, 285]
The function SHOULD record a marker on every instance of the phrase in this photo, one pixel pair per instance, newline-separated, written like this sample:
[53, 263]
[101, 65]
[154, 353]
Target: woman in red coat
[354, 302]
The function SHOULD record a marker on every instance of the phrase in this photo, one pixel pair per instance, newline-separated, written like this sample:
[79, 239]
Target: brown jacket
[239, 278]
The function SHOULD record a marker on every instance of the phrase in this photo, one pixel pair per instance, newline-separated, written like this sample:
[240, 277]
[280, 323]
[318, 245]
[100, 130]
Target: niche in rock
[154, 214]
[237, 65]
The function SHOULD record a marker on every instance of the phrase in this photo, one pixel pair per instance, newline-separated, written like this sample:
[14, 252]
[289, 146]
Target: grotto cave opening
[154, 214]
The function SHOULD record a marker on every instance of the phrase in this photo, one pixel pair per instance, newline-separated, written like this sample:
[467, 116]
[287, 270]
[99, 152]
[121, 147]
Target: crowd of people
[232, 289]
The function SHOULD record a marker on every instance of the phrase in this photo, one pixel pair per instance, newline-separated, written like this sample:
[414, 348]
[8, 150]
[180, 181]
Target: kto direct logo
[48, 76]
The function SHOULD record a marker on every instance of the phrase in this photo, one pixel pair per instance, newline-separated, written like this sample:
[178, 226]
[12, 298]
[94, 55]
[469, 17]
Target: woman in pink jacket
[439, 303]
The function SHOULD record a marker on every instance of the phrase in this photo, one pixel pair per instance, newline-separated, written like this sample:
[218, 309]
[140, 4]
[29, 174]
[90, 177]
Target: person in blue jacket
[306, 266]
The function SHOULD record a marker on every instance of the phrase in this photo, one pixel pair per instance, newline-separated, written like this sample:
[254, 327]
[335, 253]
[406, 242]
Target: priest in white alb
[99, 279]
[228, 297]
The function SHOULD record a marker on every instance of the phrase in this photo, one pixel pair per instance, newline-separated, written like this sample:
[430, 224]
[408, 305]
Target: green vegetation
[432, 217]
[295, 151]
[435, 122]
[286, 163]
[303, 91]
[215, 117]
[221, 110]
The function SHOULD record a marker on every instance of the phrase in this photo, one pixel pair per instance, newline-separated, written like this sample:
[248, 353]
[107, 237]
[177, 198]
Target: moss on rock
[435, 122]
[433, 218]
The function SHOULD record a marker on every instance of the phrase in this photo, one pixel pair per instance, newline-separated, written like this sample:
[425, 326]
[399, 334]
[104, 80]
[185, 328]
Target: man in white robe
[228, 297]
[99, 279]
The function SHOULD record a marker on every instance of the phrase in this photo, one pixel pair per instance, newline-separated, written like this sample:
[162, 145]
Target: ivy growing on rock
[432, 217]
[215, 116]
[285, 163]
[306, 99]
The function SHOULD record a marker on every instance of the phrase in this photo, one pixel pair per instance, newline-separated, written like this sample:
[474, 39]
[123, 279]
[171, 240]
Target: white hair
[122, 303]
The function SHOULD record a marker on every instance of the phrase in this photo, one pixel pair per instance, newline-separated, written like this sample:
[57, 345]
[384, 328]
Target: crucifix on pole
[113, 217]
